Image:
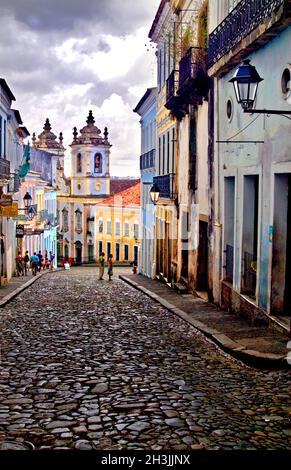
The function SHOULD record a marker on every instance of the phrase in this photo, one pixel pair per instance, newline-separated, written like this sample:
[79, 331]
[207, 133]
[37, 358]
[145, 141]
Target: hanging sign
[19, 231]
[9, 211]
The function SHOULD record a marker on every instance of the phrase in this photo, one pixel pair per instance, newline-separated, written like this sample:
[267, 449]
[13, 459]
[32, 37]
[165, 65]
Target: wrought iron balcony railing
[241, 21]
[4, 169]
[147, 160]
[165, 183]
[192, 66]
[193, 78]
[172, 85]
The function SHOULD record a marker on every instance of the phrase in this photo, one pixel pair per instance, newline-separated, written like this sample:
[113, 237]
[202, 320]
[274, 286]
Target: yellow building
[100, 213]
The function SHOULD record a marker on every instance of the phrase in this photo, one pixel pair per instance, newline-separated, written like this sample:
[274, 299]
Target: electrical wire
[246, 127]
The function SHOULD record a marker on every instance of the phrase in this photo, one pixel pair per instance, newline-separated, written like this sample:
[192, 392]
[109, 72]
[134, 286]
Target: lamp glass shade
[30, 213]
[155, 193]
[245, 82]
[27, 200]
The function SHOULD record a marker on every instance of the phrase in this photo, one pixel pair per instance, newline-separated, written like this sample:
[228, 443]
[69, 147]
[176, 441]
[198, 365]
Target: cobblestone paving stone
[98, 365]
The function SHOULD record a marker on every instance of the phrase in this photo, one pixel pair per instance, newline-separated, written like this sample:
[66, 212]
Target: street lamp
[245, 82]
[30, 213]
[27, 200]
[155, 193]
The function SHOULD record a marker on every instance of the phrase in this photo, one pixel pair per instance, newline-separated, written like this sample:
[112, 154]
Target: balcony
[174, 102]
[14, 183]
[165, 184]
[247, 16]
[4, 170]
[193, 78]
[147, 160]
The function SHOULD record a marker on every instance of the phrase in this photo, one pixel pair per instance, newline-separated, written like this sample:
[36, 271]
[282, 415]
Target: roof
[130, 197]
[24, 130]
[7, 90]
[17, 116]
[120, 184]
[157, 17]
[143, 99]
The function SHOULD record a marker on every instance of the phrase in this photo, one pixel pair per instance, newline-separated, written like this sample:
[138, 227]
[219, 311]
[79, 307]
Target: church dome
[90, 134]
[48, 139]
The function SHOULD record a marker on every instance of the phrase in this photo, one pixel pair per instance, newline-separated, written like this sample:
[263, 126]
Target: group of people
[35, 262]
[102, 266]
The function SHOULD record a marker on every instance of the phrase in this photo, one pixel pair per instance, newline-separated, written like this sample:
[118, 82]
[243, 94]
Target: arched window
[126, 229]
[98, 163]
[65, 220]
[79, 163]
[78, 221]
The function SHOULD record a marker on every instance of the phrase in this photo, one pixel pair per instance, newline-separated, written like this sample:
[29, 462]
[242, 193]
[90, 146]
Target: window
[100, 226]
[108, 250]
[0, 136]
[125, 252]
[79, 187]
[108, 227]
[79, 163]
[78, 220]
[163, 157]
[117, 228]
[168, 152]
[117, 251]
[286, 82]
[98, 163]
[65, 220]
[4, 140]
[135, 231]
[126, 229]
[229, 109]
[100, 247]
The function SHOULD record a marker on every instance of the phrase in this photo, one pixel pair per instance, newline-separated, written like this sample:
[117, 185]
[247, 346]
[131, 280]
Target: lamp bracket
[269, 111]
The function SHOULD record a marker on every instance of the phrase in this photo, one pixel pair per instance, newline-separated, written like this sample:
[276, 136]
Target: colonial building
[166, 214]
[182, 209]
[146, 108]
[251, 159]
[86, 222]
[12, 134]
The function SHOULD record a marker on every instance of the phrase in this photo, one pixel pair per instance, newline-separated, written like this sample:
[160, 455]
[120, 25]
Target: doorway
[281, 262]
[91, 253]
[202, 271]
[250, 235]
[78, 253]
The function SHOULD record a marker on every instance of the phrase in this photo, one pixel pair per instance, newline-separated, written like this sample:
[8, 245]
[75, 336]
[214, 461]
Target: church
[96, 213]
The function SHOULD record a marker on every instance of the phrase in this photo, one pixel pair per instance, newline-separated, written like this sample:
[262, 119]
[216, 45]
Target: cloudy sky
[64, 57]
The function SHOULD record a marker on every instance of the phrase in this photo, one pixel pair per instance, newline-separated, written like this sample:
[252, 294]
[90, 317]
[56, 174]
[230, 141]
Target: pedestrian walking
[19, 267]
[52, 257]
[101, 266]
[110, 267]
[40, 258]
[25, 262]
[34, 263]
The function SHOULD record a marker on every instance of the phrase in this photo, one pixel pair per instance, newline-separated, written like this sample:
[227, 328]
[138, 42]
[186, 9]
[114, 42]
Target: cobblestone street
[89, 364]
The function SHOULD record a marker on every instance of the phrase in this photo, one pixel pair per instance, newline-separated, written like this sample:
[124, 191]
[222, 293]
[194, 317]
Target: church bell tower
[90, 155]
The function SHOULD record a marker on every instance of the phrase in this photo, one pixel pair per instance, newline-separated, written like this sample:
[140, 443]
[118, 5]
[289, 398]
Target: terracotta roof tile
[118, 185]
[130, 197]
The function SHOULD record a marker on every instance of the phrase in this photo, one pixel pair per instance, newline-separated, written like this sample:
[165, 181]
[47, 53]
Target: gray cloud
[45, 85]
[65, 15]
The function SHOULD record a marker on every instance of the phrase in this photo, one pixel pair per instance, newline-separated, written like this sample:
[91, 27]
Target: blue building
[146, 108]
[251, 159]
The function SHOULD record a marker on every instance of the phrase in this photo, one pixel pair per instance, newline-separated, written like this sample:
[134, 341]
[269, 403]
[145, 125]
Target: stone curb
[5, 300]
[233, 348]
